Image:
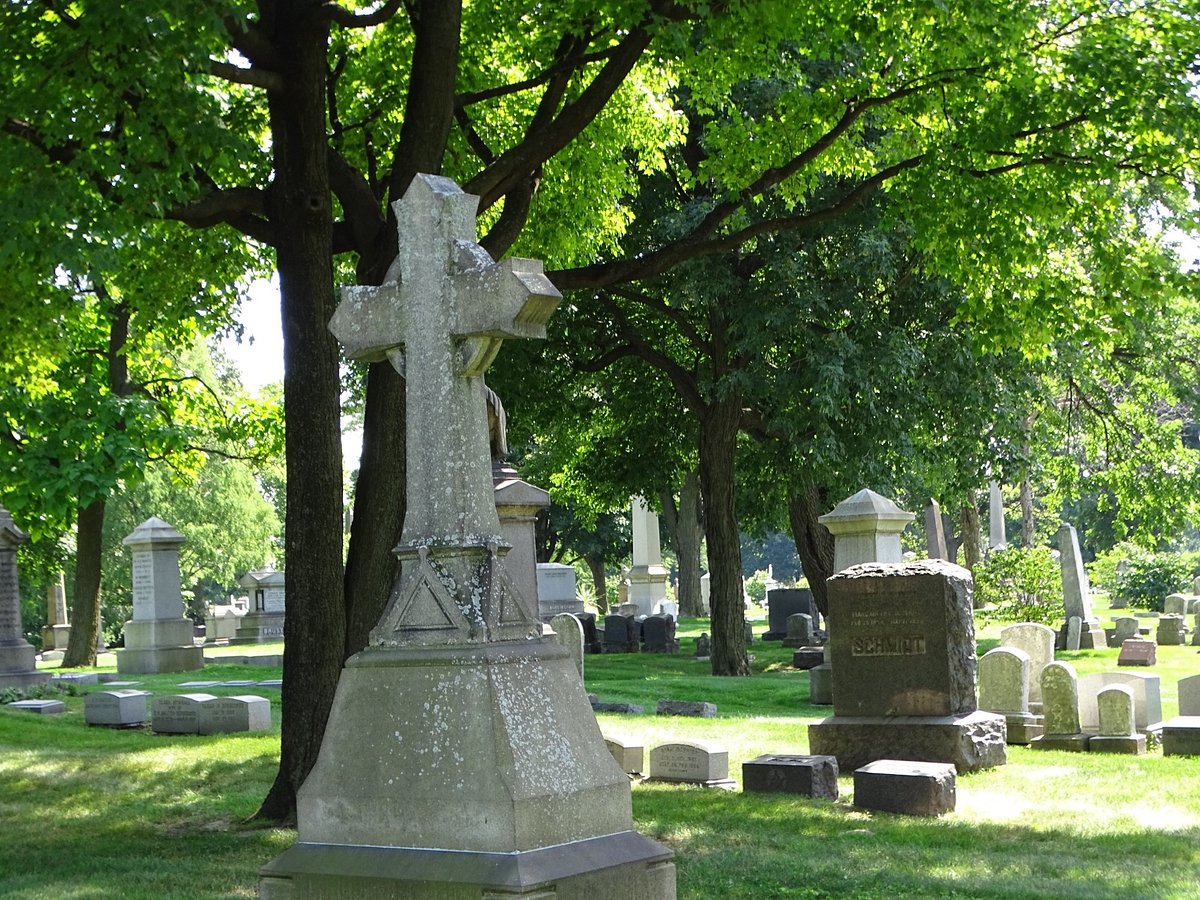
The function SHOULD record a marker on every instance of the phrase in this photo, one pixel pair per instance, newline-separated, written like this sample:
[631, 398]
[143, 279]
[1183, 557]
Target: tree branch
[252, 77]
[349, 19]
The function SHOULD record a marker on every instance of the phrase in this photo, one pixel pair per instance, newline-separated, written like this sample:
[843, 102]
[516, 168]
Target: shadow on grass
[735, 845]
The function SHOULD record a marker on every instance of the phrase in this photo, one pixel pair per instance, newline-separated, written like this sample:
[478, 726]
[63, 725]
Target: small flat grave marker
[1136, 652]
[904, 786]
[697, 708]
[41, 707]
[691, 763]
[178, 714]
[630, 757]
[245, 712]
[810, 776]
[118, 708]
[199, 684]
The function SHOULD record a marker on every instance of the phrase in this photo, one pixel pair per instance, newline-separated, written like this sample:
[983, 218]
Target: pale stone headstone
[1077, 597]
[667, 608]
[1116, 726]
[1171, 632]
[691, 762]
[1074, 630]
[1189, 696]
[178, 713]
[39, 707]
[486, 748]
[158, 638]
[1037, 641]
[1127, 627]
[996, 532]
[1147, 697]
[935, 535]
[116, 707]
[1004, 681]
[630, 757]
[647, 578]
[705, 593]
[568, 631]
[902, 638]
[57, 632]
[1175, 605]
[18, 667]
[809, 776]
[1060, 708]
[1196, 630]
[264, 622]
[227, 715]
[518, 504]
[799, 631]
[556, 591]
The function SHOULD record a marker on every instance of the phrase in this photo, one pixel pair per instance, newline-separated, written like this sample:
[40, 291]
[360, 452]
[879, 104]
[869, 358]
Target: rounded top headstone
[154, 532]
[865, 511]
[9, 532]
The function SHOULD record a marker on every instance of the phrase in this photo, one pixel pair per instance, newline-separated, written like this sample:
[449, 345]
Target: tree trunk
[950, 529]
[85, 602]
[1026, 513]
[685, 526]
[814, 543]
[972, 537]
[719, 424]
[300, 205]
[595, 564]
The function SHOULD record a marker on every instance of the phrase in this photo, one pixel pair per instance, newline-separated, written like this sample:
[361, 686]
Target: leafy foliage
[1021, 584]
[1147, 578]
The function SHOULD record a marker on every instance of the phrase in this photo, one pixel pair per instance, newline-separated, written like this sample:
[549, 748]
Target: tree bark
[685, 526]
[300, 204]
[1026, 513]
[719, 424]
[954, 540]
[814, 543]
[85, 601]
[972, 538]
[595, 564]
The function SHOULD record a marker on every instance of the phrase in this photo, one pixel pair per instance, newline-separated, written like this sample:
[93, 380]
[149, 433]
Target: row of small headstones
[179, 714]
[902, 786]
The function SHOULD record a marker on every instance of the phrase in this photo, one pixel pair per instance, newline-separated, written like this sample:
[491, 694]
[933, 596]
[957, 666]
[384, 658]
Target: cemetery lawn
[95, 812]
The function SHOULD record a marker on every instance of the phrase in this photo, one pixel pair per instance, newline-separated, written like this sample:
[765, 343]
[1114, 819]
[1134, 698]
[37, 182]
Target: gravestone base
[807, 658]
[1181, 736]
[1072, 743]
[1023, 727]
[909, 788]
[971, 741]
[55, 637]
[1134, 744]
[624, 866]
[259, 628]
[487, 774]
[18, 667]
[810, 776]
[820, 685]
[1091, 636]
[154, 646]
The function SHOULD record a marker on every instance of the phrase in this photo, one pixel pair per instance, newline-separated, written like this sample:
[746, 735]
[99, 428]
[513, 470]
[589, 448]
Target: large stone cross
[440, 317]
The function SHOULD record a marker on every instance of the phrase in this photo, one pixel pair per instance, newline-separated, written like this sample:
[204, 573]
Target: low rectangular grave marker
[691, 763]
[225, 715]
[119, 707]
[178, 714]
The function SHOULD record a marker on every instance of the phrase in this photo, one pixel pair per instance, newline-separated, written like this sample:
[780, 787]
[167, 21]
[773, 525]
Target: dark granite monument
[784, 602]
[903, 646]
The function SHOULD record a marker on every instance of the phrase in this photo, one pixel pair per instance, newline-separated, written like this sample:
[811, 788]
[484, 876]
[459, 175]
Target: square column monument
[1077, 595]
[17, 666]
[461, 758]
[57, 633]
[158, 638]
[647, 578]
[264, 622]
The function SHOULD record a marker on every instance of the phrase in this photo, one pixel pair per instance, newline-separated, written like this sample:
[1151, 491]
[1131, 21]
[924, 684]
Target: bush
[1021, 584]
[756, 587]
[1148, 578]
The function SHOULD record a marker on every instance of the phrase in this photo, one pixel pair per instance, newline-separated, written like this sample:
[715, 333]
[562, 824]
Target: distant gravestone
[647, 577]
[1004, 689]
[783, 603]
[1077, 591]
[158, 638]
[809, 776]
[1037, 641]
[264, 621]
[695, 708]
[902, 637]
[568, 631]
[18, 667]
[996, 530]
[1127, 628]
[39, 707]
[57, 633]
[935, 535]
[1117, 731]
[1181, 736]
[120, 708]
[227, 715]
[1196, 630]
[799, 631]
[178, 714]
[1171, 631]
[1060, 707]
[658, 635]
[591, 636]
[1136, 652]
[691, 762]
[906, 787]
[1175, 605]
[1189, 696]
[703, 646]
[630, 757]
[1074, 632]
[620, 634]
[556, 590]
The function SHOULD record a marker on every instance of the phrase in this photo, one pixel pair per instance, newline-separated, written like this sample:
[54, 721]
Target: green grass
[97, 813]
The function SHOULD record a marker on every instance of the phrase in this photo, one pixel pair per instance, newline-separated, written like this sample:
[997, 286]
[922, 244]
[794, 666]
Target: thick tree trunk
[814, 543]
[85, 602]
[718, 444]
[972, 537]
[300, 204]
[685, 526]
[953, 536]
[595, 564]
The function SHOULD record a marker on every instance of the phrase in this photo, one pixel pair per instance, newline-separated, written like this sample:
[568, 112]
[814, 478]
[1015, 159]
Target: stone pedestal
[518, 504]
[57, 632]
[17, 665]
[158, 638]
[647, 578]
[264, 622]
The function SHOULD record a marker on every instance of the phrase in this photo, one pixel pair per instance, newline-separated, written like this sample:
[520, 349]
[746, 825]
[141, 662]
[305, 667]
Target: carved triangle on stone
[508, 615]
[423, 606]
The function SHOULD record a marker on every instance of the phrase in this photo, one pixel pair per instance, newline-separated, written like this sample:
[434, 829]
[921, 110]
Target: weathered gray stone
[1181, 736]
[630, 757]
[935, 534]
[1060, 707]
[1117, 733]
[1037, 641]
[1147, 698]
[264, 622]
[1077, 593]
[691, 762]
[18, 667]
[866, 528]
[1171, 632]
[996, 531]
[630, 708]
[1074, 631]
[39, 707]
[799, 631]
[178, 714]
[568, 631]
[1004, 681]
[116, 707]
[904, 786]
[782, 604]
[556, 591]
[226, 715]
[647, 577]
[1127, 629]
[1189, 696]
[697, 708]
[57, 632]
[970, 742]
[1175, 605]
[809, 776]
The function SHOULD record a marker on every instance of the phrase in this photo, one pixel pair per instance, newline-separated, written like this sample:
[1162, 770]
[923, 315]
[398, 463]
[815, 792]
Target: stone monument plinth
[263, 622]
[902, 640]
[461, 758]
[647, 578]
[17, 664]
[57, 632]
